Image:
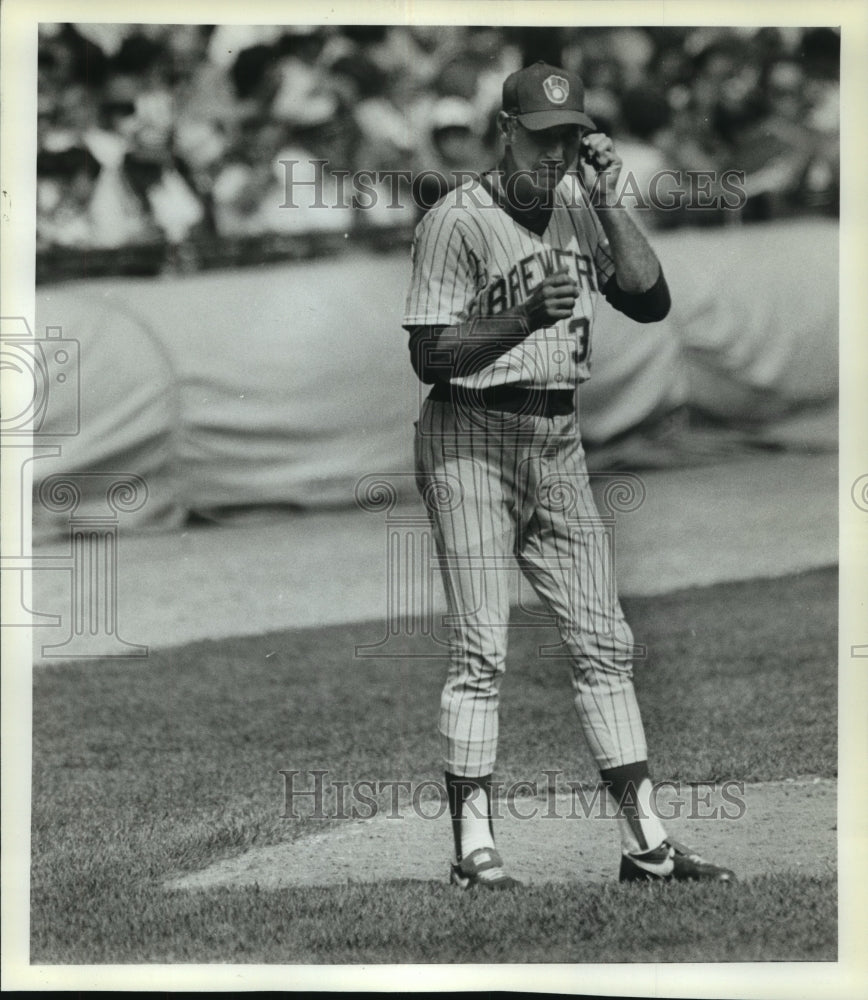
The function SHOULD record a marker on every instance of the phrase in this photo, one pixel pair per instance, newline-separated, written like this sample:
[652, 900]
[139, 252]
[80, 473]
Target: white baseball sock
[475, 822]
[638, 824]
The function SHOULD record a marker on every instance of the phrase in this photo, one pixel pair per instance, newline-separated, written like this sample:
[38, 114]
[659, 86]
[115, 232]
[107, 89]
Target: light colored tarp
[286, 384]
[118, 415]
[755, 310]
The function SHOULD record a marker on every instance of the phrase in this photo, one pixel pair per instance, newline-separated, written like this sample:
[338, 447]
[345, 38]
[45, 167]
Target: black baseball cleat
[482, 868]
[671, 862]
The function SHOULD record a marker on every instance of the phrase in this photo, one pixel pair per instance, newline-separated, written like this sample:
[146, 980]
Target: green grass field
[145, 769]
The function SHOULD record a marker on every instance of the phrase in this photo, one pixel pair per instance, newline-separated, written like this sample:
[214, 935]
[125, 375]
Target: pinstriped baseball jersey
[471, 258]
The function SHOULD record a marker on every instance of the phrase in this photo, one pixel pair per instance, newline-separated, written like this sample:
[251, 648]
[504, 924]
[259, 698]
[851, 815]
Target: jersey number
[582, 329]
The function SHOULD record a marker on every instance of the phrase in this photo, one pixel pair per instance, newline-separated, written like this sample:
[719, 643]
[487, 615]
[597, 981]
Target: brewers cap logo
[557, 89]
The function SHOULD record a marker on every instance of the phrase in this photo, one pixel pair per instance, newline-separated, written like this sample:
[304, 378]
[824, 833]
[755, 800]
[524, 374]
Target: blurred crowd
[165, 134]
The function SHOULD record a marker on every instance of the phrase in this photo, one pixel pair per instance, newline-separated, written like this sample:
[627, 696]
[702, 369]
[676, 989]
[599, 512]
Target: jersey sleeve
[445, 274]
[587, 223]
[604, 262]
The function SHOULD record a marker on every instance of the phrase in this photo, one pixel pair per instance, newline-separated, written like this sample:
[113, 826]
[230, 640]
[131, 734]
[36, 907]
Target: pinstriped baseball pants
[502, 487]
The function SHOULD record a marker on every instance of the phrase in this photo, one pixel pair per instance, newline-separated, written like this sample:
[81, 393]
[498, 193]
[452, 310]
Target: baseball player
[506, 273]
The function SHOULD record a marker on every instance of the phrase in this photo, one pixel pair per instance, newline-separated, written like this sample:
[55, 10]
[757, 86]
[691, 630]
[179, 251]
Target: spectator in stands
[65, 184]
[495, 58]
[227, 41]
[453, 144]
[256, 78]
[647, 181]
[454, 135]
[411, 54]
[670, 67]
[389, 139]
[143, 186]
[317, 103]
[201, 146]
[76, 58]
[301, 207]
[769, 138]
[632, 49]
[353, 78]
[173, 204]
[304, 95]
[204, 89]
[159, 109]
[268, 187]
[119, 217]
[692, 141]
[241, 183]
[821, 50]
[702, 147]
[474, 69]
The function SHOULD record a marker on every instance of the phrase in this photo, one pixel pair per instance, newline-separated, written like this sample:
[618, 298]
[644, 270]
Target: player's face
[547, 153]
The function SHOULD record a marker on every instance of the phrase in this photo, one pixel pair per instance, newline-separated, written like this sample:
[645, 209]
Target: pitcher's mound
[770, 827]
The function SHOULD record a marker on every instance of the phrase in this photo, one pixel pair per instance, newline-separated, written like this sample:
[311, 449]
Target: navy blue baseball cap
[542, 96]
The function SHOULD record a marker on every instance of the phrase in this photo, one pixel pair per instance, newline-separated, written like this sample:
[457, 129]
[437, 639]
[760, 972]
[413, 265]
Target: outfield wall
[285, 384]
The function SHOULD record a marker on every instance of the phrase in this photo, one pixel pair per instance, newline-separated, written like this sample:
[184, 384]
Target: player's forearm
[636, 265]
[442, 353]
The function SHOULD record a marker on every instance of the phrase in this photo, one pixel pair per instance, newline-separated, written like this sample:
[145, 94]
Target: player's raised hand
[552, 300]
[600, 165]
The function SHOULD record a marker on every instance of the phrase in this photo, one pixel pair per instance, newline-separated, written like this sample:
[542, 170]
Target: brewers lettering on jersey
[479, 261]
[507, 271]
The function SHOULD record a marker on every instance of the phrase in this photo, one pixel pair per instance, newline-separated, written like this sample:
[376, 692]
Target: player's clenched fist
[600, 166]
[551, 301]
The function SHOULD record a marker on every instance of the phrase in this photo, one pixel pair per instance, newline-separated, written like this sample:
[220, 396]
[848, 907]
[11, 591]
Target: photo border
[17, 268]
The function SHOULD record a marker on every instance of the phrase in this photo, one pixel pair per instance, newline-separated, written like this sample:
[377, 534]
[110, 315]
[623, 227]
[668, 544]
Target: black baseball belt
[507, 398]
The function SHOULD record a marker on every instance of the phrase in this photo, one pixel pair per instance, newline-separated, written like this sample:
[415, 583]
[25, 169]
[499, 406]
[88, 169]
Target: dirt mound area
[754, 829]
